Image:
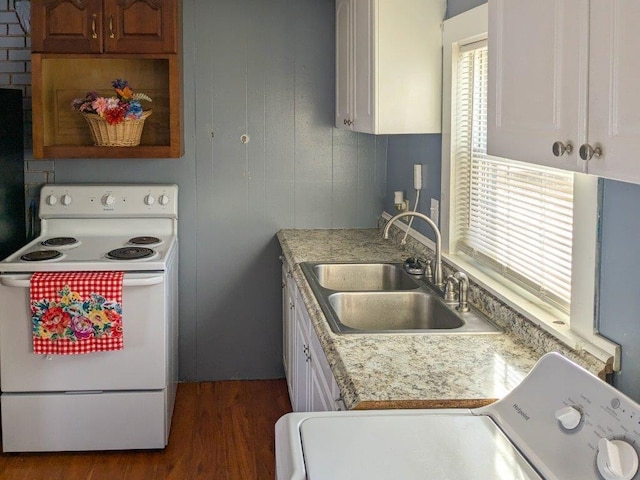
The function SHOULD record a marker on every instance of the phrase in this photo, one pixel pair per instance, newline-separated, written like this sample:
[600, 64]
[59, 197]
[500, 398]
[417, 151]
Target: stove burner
[144, 240]
[41, 255]
[130, 253]
[59, 241]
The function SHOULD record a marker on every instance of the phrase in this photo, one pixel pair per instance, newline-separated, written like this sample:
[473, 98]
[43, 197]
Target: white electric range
[560, 423]
[102, 400]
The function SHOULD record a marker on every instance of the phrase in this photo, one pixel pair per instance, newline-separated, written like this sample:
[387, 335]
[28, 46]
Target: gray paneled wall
[266, 70]
[619, 287]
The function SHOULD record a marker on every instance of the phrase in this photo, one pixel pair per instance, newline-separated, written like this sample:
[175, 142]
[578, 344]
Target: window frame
[578, 330]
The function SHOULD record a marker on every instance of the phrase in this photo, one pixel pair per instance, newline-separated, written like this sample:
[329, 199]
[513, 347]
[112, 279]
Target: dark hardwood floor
[220, 431]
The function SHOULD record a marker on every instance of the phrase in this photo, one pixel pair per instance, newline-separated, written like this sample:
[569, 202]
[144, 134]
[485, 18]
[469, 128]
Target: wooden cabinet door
[537, 89]
[614, 96]
[141, 26]
[66, 26]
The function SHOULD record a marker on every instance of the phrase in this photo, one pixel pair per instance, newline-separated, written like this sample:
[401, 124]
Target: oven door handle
[127, 282]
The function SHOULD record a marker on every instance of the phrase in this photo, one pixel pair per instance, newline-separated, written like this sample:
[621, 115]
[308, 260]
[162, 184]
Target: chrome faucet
[437, 273]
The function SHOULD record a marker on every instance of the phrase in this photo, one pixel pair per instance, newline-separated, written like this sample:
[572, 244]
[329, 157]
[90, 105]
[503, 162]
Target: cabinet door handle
[94, 33]
[560, 148]
[111, 34]
[587, 152]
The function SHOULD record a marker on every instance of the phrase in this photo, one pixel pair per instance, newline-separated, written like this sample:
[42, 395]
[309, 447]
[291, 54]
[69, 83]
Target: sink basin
[382, 298]
[393, 311]
[362, 276]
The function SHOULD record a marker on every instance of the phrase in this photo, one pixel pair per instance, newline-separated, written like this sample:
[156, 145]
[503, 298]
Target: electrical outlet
[435, 211]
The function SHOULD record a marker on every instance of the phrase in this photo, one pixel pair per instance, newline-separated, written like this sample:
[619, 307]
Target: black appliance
[12, 206]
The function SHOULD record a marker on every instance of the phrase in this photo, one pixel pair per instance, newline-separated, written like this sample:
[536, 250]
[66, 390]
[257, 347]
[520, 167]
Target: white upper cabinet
[614, 91]
[562, 87]
[389, 65]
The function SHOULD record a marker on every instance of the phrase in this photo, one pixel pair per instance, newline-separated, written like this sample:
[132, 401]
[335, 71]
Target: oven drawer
[141, 365]
[90, 421]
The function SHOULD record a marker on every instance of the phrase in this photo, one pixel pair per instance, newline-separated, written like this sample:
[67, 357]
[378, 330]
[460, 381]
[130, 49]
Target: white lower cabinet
[288, 318]
[312, 386]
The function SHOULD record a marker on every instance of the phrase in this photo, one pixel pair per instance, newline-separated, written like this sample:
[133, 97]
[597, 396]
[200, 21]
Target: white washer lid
[408, 447]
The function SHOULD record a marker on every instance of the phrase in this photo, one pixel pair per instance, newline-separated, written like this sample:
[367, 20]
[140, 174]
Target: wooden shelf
[60, 132]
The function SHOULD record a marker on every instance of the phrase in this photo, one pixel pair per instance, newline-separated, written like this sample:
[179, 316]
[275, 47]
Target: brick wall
[15, 72]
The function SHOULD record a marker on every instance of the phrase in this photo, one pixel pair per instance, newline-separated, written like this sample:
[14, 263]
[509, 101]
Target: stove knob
[616, 460]
[149, 200]
[108, 200]
[569, 417]
[52, 200]
[66, 200]
[164, 200]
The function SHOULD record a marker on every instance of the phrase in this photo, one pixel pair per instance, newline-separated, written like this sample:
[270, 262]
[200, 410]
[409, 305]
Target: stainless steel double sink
[383, 298]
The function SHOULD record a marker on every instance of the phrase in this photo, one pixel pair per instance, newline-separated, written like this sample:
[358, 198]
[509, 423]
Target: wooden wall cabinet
[83, 45]
[105, 26]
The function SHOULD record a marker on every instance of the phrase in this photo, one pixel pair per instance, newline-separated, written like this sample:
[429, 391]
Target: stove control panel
[571, 424]
[93, 200]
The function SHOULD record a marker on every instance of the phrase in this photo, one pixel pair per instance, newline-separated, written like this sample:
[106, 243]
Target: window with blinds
[516, 218]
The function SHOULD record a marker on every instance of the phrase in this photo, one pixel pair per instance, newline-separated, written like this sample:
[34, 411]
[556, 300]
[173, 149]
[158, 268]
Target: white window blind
[513, 217]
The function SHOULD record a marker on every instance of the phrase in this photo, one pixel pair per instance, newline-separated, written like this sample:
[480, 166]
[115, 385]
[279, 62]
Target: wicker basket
[123, 134]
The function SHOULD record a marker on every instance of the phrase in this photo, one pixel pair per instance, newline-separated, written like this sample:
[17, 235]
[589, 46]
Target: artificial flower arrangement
[125, 106]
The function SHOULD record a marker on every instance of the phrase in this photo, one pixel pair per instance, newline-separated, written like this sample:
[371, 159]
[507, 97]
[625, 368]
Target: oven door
[141, 365]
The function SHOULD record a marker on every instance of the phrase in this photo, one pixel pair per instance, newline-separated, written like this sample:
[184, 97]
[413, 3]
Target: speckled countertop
[410, 371]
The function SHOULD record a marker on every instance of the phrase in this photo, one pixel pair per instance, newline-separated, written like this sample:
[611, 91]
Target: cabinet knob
[560, 148]
[587, 152]
[94, 33]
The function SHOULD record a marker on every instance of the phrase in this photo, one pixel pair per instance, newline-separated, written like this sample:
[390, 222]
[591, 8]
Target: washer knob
[616, 460]
[149, 200]
[569, 417]
[52, 200]
[164, 199]
[108, 200]
[66, 200]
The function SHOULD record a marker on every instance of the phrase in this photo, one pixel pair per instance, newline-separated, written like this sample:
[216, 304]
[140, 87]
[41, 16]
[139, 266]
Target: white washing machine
[560, 423]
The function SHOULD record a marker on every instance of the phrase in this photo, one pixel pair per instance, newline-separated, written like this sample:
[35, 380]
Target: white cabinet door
[566, 71]
[312, 386]
[299, 386]
[389, 66]
[319, 396]
[288, 318]
[363, 66]
[344, 49]
[614, 94]
[538, 73]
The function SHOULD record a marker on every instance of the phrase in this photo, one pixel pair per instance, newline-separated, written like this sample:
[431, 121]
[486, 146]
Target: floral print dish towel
[76, 312]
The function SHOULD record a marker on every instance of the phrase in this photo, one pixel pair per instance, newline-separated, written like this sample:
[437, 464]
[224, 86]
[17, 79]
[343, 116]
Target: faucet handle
[428, 268]
[450, 289]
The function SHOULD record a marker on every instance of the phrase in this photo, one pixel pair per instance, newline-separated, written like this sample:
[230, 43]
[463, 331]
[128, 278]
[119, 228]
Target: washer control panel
[92, 201]
[571, 424]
